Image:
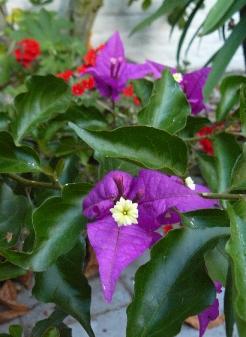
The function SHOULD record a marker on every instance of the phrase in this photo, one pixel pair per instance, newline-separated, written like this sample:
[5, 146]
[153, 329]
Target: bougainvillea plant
[102, 153]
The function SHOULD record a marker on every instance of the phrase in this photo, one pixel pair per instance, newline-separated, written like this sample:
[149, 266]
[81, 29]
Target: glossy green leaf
[54, 320]
[206, 218]
[228, 305]
[167, 7]
[216, 261]
[224, 56]
[243, 109]
[193, 125]
[165, 292]
[110, 164]
[167, 108]
[215, 15]
[57, 224]
[143, 89]
[239, 172]
[229, 89]
[16, 159]
[236, 248]
[208, 170]
[85, 117]
[13, 211]
[226, 151]
[9, 271]
[46, 97]
[66, 286]
[146, 146]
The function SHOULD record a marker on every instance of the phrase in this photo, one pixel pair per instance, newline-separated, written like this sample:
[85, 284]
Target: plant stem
[34, 183]
[222, 196]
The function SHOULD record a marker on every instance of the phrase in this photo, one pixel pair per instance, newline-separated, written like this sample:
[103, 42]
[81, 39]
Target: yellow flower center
[125, 212]
[178, 77]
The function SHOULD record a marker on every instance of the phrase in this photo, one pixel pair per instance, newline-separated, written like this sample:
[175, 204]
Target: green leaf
[229, 89]
[216, 261]
[239, 172]
[146, 146]
[167, 7]
[52, 332]
[228, 305]
[143, 89]
[243, 109]
[57, 224]
[110, 164]
[220, 13]
[208, 169]
[206, 218]
[46, 97]
[224, 56]
[66, 286]
[4, 121]
[165, 292]
[167, 108]
[236, 248]
[9, 271]
[85, 117]
[15, 330]
[226, 151]
[53, 320]
[16, 159]
[216, 13]
[193, 125]
[13, 211]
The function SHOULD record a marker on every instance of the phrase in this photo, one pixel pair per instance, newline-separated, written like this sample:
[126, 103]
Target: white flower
[178, 77]
[190, 183]
[125, 212]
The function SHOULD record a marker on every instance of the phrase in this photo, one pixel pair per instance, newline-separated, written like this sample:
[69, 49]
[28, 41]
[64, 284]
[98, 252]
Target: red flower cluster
[27, 50]
[206, 143]
[129, 92]
[65, 75]
[79, 88]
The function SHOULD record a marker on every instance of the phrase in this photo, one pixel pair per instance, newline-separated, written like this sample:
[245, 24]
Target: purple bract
[211, 313]
[112, 71]
[126, 211]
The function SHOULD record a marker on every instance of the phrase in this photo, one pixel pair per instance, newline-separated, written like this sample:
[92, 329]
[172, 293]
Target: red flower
[206, 143]
[128, 91]
[65, 75]
[78, 88]
[90, 58]
[136, 101]
[27, 50]
[89, 83]
[167, 228]
[81, 69]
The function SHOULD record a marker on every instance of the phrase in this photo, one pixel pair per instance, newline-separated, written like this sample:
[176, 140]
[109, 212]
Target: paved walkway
[108, 320]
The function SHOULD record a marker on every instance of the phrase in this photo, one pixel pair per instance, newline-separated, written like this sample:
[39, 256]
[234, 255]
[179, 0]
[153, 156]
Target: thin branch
[34, 183]
[222, 196]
